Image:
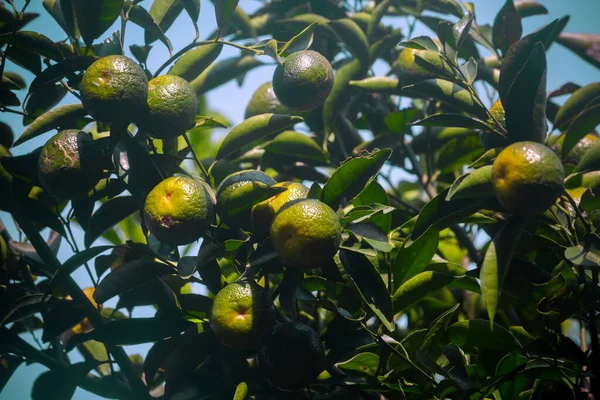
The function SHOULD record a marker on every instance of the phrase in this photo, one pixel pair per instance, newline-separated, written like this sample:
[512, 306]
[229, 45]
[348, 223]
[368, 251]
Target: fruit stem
[90, 311]
[205, 174]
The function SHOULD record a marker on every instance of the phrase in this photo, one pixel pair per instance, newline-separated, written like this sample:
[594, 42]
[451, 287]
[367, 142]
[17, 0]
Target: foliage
[436, 291]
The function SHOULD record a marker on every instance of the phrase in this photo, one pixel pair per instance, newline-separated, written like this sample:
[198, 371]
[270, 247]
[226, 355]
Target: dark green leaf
[108, 215]
[497, 261]
[512, 387]
[134, 166]
[195, 61]
[25, 306]
[58, 71]
[60, 384]
[296, 146]
[352, 176]
[418, 287]
[224, 71]
[453, 120]
[507, 27]
[139, 16]
[186, 266]
[35, 43]
[352, 36]
[164, 13]
[192, 8]
[474, 184]
[301, 41]
[469, 70]
[95, 17]
[42, 100]
[479, 333]
[157, 355]
[254, 129]
[583, 124]
[28, 60]
[420, 43]
[575, 104]
[370, 284]
[8, 365]
[412, 258]
[224, 11]
[53, 119]
[207, 266]
[127, 277]
[461, 29]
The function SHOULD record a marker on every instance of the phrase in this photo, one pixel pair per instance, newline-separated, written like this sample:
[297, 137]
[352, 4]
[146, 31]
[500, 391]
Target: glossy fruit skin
[490, 139]
[527, 178]
[171, 109]
[306, 233]
[407, 70]
[233, 193]
[179, 210]
[264, 212]
[264, 101]
[304, 81]
[292, 357]
[71, 163]
[577, 152]
[114, 89]
[242, 315]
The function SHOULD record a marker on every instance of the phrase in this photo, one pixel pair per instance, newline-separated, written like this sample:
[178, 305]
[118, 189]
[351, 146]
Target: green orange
[306, 233]
[303, 81]
[263, 212]
[114, 89]
[237, 193]
[527, 178]
[179, 210]
[171, 109]
[292, 357]
[264, 101]
[490, 139]
[577, 152]
[71, 163]
[242, 315]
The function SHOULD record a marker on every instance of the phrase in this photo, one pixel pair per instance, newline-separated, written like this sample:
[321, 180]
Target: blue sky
[230, 100]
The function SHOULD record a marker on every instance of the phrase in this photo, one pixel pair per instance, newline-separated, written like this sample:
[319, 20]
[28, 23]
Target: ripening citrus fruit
[236, 195]
[264, 101]
[179, 210]
[292, 357]
[71, 163]
[577, 152]
[408, 70]
[242, 315]
[263, 212]
[304, 81]
[527, 178]
[306, 233]
[114, 89]
[490, 139]
[172, 107]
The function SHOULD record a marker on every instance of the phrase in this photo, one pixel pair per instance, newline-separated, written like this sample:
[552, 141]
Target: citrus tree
[428, 233]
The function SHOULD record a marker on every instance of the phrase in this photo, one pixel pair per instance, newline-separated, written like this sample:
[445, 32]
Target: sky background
[230, 100]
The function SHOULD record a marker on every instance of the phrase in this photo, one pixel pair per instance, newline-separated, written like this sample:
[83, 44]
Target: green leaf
[352, 176]
[413, 257]
[58, 71]
[497, 261]
[581, 99]
[301, 41]
[434, 341]
[525, 97]
[270, 50]
[59, 384]
[59, 117]
[435, 62]
[224, 71]
[418, 287]
[441, 213]
[139, 16]
[35, 43]
[108, 215]
[370, 284]
[529, 8]
[224, 11]
[353, 37]
[22, 307]
[164, 13]
[254, 129]
[241, 391]
[192, 8]
[585, 45]
[95, 17]
[585, 256]
[132, 331]
[460, 30]
[73, 263]
[363, 363]
[477, 183]
[378, 84]
[420, 43]
[449, 93]
[127, 277]
[507, 27]
[296, 146]
[590, 159]
[479, 333]
[469, 69]
[452, 120]
[583, 124]
[370, 233]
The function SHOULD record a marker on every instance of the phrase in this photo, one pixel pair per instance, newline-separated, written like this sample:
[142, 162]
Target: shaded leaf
[418, 287]
[474, 184]
[190, 65]
[452, 120]
[95, 17]
[42, 100]
[434, 341]
[108, 215]
[461, 29]
[139, 16]
[353, 37]
[221, 72]
[164, 13]
[581, 126]
[56, 72]
[35, 43]
[224, 10]
[478, 333]
[295, 146]
[590, 160]
[412, 258]
[507, 27]
[585, 256]
[53, 119]
[576, 103]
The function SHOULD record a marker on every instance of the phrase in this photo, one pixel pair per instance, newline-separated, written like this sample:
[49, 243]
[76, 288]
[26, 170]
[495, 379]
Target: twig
[202, 169]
